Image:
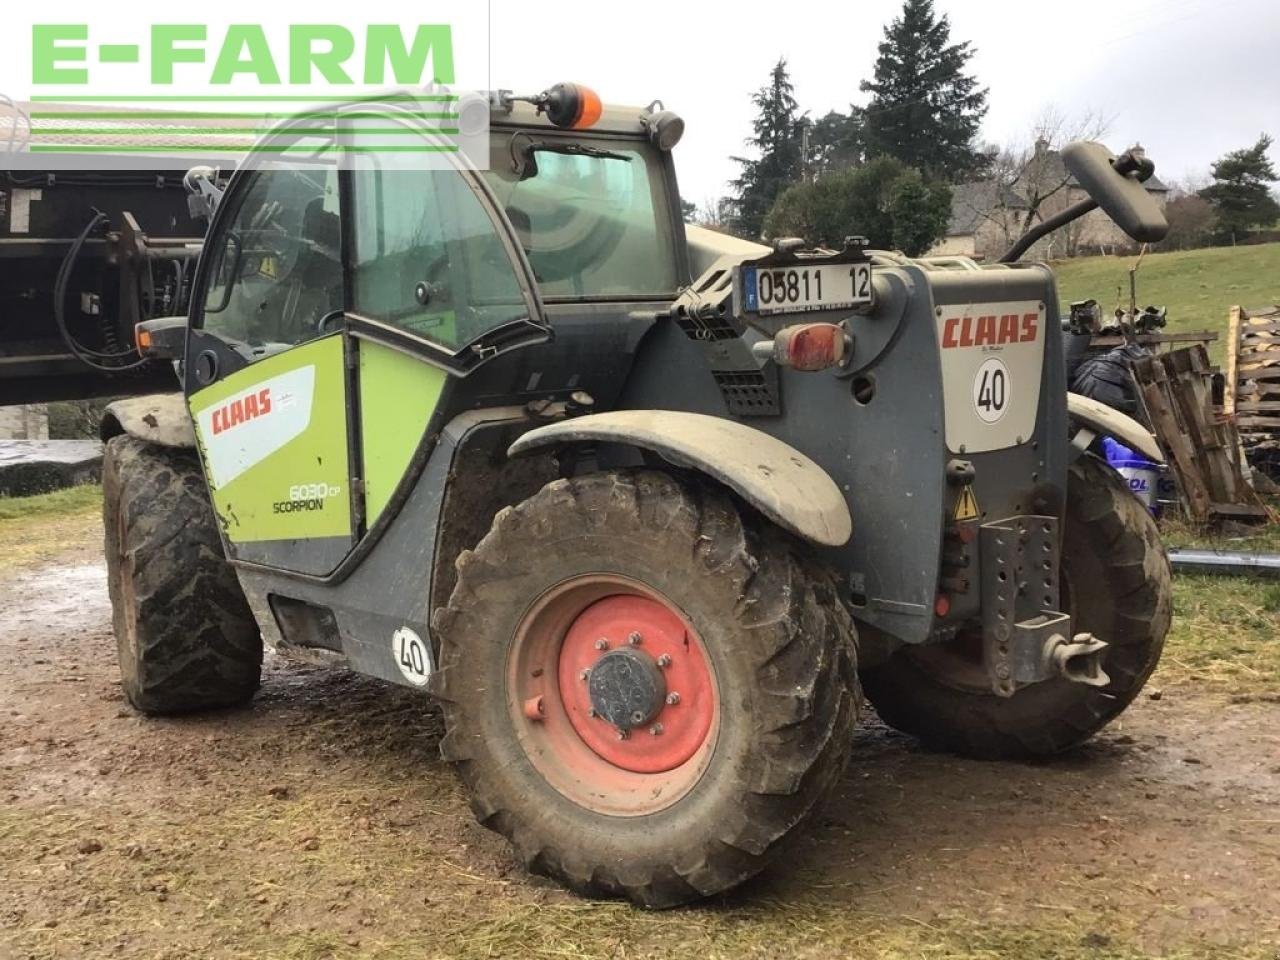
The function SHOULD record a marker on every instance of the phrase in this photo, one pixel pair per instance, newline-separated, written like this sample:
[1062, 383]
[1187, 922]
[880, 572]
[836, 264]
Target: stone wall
[29, 422]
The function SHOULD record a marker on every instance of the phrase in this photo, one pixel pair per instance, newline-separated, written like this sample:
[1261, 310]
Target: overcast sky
[1189, 79]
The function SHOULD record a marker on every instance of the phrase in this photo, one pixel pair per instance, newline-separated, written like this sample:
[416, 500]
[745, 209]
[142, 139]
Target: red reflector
[942, 605]
[810, 346]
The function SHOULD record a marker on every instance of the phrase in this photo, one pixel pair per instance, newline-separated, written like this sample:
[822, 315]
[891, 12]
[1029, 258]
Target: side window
[278, 271]
[427, 258]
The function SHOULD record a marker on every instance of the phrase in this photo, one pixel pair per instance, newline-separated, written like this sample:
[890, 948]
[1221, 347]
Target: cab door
[335, 303]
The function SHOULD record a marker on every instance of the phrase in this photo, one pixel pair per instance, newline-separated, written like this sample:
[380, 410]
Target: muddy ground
[320, 822]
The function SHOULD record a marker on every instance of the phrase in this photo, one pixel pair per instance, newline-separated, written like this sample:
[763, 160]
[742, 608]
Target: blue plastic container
[1142, 475]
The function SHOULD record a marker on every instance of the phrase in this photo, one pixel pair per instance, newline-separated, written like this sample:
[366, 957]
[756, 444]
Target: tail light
[809, 346]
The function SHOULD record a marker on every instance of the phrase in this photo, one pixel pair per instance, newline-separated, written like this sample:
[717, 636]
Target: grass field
[33, 529]
[1198, 286]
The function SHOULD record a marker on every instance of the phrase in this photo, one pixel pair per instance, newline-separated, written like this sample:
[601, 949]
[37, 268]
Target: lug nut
[633, 638]
[591, 712]
[673, 698]
[664, 660]
[602, 644]
[585, 675]
[623, 734]
[656, 729]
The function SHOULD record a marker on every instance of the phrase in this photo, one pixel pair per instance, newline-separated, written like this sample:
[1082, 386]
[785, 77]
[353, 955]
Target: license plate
[801, 289]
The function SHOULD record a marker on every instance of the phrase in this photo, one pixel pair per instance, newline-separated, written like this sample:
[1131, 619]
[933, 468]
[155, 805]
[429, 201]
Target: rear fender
[1102, 419]
[775, 478]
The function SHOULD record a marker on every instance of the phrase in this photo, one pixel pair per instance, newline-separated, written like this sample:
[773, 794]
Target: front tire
[1118, 586]
[185, 636]
[673, 583]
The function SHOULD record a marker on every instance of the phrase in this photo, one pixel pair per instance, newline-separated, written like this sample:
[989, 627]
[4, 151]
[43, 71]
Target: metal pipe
[1225, 562]
[1073, 212]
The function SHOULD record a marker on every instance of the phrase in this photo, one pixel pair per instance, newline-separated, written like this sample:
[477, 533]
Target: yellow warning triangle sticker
[966, 505]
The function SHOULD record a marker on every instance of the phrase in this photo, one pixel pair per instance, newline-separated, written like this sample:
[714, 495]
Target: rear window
[592, 226]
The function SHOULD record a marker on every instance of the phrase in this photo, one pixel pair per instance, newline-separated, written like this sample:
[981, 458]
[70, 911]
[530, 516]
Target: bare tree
[715, 213]
[1027, 182]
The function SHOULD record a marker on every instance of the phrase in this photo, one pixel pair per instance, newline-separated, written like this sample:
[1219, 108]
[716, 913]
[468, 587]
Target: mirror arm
[1073, 212]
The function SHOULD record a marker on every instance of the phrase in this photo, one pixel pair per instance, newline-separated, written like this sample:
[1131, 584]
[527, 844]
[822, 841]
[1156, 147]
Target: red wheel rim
[656, 755]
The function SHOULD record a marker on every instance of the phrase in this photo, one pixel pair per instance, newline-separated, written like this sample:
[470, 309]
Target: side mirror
[1116, 183]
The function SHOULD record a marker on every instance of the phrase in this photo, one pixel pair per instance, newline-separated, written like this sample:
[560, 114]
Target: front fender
[1103, 419]
[161, 418]
[775, 478]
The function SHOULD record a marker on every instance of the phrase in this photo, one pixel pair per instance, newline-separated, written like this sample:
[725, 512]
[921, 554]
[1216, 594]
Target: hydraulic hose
[93, 358]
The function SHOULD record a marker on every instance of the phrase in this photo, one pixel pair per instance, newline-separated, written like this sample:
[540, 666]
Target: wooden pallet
[1154, 340]
[1252, 389]
[1203, 447]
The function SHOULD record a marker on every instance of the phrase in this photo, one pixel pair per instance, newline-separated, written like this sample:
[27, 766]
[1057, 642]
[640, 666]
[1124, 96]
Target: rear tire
[778, 650]
[185, 636]
[1119, 587]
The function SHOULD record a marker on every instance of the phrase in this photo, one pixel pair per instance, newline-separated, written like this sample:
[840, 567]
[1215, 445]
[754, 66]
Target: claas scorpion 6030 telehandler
[640, 504]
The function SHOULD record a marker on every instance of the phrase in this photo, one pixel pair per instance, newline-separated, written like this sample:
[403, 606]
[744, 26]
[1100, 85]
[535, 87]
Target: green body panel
[398, 395]
[274, 442]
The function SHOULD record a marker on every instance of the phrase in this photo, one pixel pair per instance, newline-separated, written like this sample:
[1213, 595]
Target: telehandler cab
[616, 491]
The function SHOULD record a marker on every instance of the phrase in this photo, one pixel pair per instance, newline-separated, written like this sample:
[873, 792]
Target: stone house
[988, 216]
[30, 422]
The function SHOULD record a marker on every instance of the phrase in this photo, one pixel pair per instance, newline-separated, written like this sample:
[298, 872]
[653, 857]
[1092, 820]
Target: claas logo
[242, 410]
[990, 330]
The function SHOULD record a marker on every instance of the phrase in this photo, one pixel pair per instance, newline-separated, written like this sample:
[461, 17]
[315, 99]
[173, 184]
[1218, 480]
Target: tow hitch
[1080, 660]
[1025, 635]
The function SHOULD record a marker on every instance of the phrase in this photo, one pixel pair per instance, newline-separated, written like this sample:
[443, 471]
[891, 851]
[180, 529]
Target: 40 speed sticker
[993, 359]
[991, 390]
[412, 655]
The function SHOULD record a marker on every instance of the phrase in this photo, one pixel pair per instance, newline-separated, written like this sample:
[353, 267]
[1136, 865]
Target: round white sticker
[413, 657]
[992, 390]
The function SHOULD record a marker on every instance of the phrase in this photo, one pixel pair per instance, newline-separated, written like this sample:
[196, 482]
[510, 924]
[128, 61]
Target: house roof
[971, 202]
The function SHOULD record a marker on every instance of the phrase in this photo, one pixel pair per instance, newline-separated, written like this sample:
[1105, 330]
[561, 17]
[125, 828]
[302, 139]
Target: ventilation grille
[750, 393]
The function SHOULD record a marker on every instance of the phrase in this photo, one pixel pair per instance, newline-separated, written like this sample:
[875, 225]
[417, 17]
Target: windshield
[592, 226]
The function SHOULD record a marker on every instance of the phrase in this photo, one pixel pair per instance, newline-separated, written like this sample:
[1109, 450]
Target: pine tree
[837, 141]
[925, 109]
[1240, 193]
[777, 137]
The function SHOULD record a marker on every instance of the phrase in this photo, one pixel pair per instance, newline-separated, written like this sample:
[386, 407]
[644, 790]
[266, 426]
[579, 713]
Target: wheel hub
[635, 687]
[626, 688]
